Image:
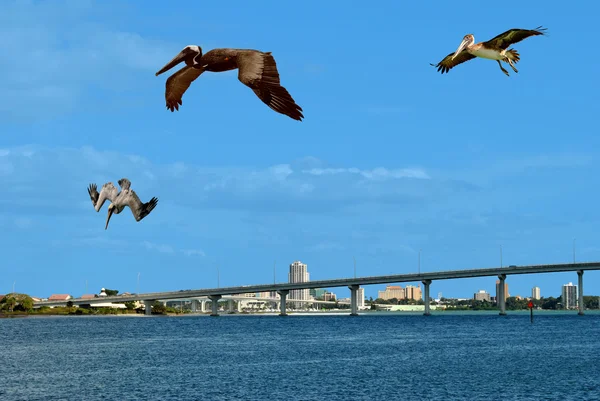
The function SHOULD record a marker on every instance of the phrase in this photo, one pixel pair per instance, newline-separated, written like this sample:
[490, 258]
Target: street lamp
[218, 278]
[573, 250]
[419, 261]
[354, 266]
[501, 256]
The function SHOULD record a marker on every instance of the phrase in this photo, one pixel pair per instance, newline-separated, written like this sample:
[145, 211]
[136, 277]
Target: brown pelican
[257, 70]
[126, 197]
[494, 49]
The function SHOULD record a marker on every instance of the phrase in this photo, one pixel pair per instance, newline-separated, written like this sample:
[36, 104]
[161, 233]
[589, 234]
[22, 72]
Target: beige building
[391, 291]
[482, 295]
[412, 292]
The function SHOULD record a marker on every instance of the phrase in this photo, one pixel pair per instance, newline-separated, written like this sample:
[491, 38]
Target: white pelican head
[467, 41]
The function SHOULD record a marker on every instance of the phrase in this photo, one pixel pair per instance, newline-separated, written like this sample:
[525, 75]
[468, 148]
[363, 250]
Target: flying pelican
[257, 70]
[494, 49]
[126, 197]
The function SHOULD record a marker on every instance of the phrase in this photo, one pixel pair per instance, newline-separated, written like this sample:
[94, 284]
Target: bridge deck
[394, 278]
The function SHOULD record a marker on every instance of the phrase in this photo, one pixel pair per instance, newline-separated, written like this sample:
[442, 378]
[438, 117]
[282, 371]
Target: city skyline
[368, 175]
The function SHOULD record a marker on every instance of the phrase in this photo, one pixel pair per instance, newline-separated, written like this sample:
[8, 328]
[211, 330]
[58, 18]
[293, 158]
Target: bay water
[374, 356]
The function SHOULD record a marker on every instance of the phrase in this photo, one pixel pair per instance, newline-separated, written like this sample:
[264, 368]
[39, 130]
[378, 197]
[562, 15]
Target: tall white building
[299, 274]
[360, 294]
[535, 293]
[569, 296]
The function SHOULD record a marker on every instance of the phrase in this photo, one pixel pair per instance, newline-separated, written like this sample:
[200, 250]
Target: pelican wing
[108, 191]
[448, 63]
[178, 83]
[511, 36]
[258, 71]
[139, 209]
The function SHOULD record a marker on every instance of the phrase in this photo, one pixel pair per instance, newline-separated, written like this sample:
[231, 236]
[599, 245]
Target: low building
[59, 297]
[482, 295]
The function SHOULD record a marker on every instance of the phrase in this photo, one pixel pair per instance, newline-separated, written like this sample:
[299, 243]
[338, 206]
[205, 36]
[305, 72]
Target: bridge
[214, 294]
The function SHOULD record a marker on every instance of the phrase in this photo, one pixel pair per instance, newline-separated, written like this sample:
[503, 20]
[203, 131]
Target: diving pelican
[126, 197]
[494, 49]
[257, 70]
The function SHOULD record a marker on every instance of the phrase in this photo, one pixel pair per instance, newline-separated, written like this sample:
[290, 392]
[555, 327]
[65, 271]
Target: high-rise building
[412, 292]
[569, 296]
[299, 274]
[391, 291]
[535, 293]
[482, 295]
[360, 294]
[506, 294]
[317, 293]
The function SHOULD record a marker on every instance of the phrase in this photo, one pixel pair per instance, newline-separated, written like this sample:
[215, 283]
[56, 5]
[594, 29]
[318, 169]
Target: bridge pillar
[202, 305]
[215, 304]
[283, 295]
[501, 295]
[194, 305]
[580, 292]
[353, 299]
[426, 283]
[230, 305]
[148, 307]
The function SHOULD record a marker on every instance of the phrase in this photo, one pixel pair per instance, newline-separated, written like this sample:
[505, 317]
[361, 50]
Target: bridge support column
[426, 283]
[194, 305]
[283, 295]
[215, 304]
[353, 299]
[148, 307]
[230, 305]
[580, 292]
[501, 295]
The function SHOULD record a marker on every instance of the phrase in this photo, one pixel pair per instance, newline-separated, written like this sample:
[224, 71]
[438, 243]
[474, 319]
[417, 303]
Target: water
[469, 356]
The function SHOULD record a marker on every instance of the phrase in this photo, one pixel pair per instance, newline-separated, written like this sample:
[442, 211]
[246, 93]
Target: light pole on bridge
[218, 278]
[419, 261]
[501, 256]
[354, 266]
[574, 250]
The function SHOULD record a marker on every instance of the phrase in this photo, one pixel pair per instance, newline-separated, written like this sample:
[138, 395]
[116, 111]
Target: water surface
[387, 356]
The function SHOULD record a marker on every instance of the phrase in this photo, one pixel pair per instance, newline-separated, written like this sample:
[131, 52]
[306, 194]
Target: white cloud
[375, 174]
[164, 248]
[62, 174]
[51, 66]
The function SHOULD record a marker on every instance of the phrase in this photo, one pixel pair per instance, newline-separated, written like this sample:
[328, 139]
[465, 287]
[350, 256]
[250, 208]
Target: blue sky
[392, 156]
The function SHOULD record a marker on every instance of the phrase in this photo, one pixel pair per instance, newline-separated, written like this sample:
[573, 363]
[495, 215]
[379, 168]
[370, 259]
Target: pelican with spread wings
[257, 70]
[120, 199]
[494, 49]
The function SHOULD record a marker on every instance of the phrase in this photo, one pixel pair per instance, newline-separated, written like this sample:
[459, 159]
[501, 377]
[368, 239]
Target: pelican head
[112, 209]
[191, 54]
[467, 41]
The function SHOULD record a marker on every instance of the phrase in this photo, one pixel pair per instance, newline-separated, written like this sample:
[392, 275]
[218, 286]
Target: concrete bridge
[214, 294]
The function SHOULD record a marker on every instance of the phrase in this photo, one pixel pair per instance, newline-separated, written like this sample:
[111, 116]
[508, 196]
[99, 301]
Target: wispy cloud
[66, 171]
[53, 65]
[164, 248]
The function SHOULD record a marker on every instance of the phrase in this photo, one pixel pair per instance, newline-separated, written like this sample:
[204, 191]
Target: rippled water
[371, 357]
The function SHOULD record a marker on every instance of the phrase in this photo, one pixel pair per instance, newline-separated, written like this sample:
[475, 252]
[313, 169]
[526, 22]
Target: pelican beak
[462, 46]
[110, 212]
[176, 60]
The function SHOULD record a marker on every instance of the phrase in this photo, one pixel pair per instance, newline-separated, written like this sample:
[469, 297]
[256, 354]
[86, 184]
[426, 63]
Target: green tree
[130, 305]
[158, 308]
[110, 293]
